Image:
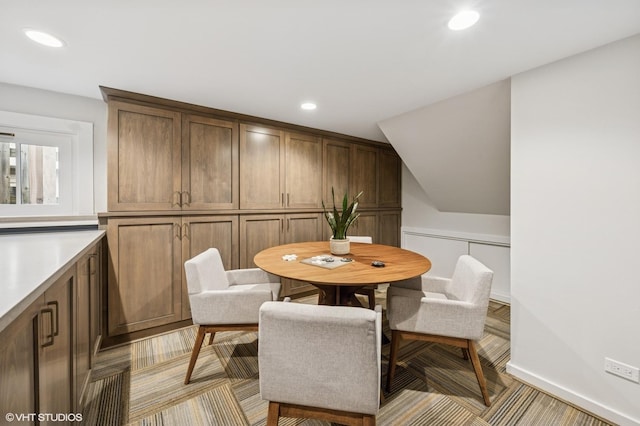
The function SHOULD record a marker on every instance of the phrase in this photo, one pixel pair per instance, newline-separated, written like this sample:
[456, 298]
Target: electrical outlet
[623, 370]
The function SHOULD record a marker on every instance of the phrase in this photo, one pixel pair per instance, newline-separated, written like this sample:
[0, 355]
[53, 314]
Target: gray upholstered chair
[450, 311]
[224, 300]
[369, 290]
[320, 362]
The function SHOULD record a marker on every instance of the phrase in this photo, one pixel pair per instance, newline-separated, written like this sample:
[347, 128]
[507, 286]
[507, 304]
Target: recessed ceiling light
[464, 20]
[308, 106]
[43, 38]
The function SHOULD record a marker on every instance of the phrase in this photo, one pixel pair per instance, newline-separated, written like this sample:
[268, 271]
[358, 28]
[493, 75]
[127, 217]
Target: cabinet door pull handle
[178, 230]
[185, 198]
[56, 329]
[287, 199]
[48, 337]
[179, 198]
[288, 220]
[185, 230]
[282, 199]
[92, 263]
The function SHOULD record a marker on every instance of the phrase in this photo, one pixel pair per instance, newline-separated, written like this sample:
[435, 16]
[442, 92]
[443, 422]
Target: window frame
[75, 142]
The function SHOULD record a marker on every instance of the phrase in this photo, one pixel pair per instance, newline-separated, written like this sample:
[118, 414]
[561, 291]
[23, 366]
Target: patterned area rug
[142, 384]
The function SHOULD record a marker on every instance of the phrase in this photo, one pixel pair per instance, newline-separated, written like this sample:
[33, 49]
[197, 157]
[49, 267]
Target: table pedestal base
[336, 295]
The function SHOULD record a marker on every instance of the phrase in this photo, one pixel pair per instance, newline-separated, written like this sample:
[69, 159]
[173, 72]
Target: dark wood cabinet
[210, 178]
[144, 158]
[183, 178]
[279, 169]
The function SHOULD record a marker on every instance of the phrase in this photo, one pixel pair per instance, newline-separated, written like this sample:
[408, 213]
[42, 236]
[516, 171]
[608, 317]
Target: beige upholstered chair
[224, 300]
[320, 362]
[451, 311]
[369, 290]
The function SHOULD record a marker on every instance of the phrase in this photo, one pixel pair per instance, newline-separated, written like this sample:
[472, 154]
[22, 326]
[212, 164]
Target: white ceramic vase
[339, 247]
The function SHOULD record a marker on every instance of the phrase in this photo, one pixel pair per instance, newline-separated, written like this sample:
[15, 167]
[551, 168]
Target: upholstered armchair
[320, 362]
[450, 311]
[369, 290]
[224, 300]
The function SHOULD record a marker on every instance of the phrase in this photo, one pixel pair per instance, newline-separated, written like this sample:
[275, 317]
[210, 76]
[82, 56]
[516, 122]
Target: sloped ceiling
[458, 149]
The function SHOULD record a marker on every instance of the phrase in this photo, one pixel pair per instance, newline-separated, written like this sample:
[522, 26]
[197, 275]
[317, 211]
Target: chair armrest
[424, 283]
[250, 276]
[230, 306]
[435, 284]
[437, 316]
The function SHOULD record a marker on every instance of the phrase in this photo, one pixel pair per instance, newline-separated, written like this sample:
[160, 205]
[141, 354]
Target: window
[39, 157]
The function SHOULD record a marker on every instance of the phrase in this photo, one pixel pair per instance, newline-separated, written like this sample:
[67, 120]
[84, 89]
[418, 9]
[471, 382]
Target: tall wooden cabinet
[160, 159]
[279, 169]
[147, 287]
[209, 163]
[183, 178]
[259, 232]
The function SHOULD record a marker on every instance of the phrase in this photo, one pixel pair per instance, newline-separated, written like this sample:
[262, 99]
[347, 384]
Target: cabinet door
[389, 231]
[301, 227]
[262, 168]
[258, 232]
[82, 325]
[209, 163]
[18, 358]
[201, 233]
[144, 158]
[55, 356]
[390, 179]
[145, 277]
[303, 171]
[298, 229]
[366, 225]
[336, 170]
[86, 318]
[96, 270]
[364, 169]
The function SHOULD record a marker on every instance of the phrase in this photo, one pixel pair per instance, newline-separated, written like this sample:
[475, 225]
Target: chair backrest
[471, 281]
[205, 272]
[320, 356]
[360, 239]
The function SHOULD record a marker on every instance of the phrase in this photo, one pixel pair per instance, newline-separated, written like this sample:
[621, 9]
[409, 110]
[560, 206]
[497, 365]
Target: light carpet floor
[142, 384]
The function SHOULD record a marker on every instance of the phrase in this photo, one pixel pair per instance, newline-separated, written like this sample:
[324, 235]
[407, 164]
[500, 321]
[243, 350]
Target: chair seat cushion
[240, 304]
[433, 313]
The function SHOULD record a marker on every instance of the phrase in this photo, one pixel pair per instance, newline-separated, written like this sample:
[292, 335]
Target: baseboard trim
[571, 397]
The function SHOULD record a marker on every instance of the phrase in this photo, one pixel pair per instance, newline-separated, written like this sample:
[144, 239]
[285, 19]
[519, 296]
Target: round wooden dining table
[338, 284]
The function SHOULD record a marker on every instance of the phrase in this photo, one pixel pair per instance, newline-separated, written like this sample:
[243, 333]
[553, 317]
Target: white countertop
[30, 263]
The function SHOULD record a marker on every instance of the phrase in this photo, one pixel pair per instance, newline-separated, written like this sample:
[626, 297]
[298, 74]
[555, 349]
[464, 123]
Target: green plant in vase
[339, 222]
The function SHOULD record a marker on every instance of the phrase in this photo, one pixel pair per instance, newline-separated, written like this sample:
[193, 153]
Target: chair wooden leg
[369, 420]
[371, 295]
[393, 357]
[194, 354]
[477, 367]
[273, 414]
[465, 353]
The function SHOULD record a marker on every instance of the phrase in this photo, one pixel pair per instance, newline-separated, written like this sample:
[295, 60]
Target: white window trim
[81, 177]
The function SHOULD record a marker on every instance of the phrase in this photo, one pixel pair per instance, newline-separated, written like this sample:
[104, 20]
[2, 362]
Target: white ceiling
[361, 61]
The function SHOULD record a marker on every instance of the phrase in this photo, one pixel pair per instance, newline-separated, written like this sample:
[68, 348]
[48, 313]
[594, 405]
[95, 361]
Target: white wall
[575, 227]
[52, 104]
[443, 237]
[458, 149]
